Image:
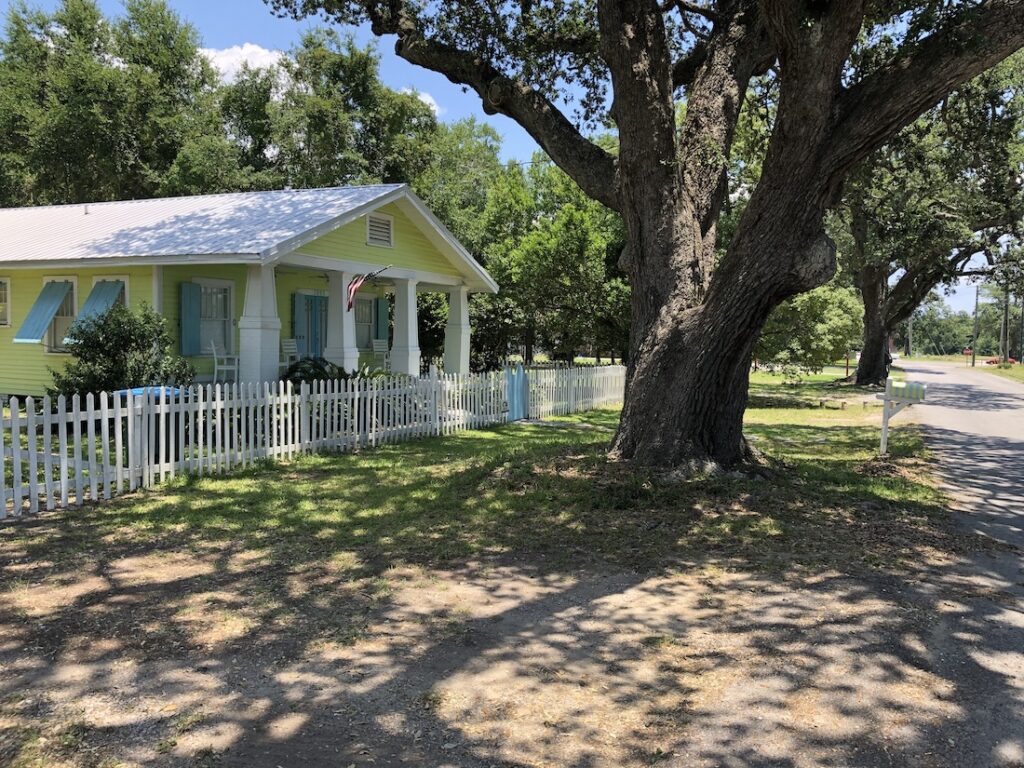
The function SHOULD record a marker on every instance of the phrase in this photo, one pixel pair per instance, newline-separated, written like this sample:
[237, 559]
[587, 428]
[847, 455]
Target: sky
[237, 30]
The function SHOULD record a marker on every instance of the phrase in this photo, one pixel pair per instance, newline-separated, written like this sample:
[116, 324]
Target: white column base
[405, 360]
[259, 356]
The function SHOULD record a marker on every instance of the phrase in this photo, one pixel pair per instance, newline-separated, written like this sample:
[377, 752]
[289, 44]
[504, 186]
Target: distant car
[997, 361]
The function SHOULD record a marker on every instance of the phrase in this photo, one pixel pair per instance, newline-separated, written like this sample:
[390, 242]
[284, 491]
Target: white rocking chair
[223, 364]
[289, 352]
[381, 354]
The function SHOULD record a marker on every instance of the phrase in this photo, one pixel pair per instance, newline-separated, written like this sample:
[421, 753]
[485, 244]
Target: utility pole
[909, 350]
[974, 341]
[1004, 327]
[1020, 338]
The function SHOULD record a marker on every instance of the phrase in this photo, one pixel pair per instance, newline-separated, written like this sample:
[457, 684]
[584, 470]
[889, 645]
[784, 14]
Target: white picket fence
[65, 451]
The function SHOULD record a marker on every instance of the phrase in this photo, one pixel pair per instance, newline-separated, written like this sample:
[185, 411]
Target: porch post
[259, 329]
[405, 351]
[341, 346]
[456, 332]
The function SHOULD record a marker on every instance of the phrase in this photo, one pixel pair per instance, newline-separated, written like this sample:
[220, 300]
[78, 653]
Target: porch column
[456, 332]
[405, 350]
[259, 329]
[340, 348]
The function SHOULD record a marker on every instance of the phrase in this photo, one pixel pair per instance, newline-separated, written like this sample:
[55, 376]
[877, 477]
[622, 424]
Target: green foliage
[554, 253]
[811, 330]
[938, 330]
[121, 349]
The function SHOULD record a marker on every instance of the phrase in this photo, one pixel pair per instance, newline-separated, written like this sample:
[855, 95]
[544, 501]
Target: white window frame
[213, 282]
[111, 278]
[391, 226]
[49, 350]
[355, 310]
[10, 303]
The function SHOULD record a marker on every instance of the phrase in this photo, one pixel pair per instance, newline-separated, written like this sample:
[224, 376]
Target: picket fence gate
[60, 452]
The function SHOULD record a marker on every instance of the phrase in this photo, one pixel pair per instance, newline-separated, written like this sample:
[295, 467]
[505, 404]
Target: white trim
[217, 282]
[285, 247]
[391, 229]
[10, 302]
[328, 264]
[73, 279]
[452, 244]
[110, 278]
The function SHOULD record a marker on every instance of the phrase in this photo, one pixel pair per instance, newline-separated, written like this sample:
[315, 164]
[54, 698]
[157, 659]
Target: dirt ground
[173, 656]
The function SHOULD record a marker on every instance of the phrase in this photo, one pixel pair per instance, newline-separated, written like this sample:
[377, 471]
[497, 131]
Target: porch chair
[223, 364]
[289, 353]
[381, 354]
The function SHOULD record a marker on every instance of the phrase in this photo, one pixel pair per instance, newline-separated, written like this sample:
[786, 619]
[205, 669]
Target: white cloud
[427, 99]
[229, 61]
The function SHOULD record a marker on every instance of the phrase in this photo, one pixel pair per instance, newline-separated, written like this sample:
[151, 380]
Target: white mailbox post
[898, 395]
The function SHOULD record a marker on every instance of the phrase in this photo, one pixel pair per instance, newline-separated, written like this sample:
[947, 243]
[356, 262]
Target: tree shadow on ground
[510, 597]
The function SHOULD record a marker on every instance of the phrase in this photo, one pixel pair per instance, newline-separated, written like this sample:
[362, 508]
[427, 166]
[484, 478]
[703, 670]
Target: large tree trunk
[872, 368]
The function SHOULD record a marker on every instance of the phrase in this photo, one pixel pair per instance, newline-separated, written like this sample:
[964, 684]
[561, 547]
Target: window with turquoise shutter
[191, 296]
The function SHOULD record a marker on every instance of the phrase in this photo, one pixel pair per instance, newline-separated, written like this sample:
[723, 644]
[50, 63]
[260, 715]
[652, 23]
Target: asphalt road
[975, 424]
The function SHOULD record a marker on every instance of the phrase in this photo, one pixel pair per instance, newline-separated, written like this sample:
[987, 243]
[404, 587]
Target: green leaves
[121, 349]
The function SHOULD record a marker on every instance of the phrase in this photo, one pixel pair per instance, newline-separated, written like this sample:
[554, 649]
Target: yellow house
[235, 274]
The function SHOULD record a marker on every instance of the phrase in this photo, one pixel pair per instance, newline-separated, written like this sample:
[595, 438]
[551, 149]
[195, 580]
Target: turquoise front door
[309, 324]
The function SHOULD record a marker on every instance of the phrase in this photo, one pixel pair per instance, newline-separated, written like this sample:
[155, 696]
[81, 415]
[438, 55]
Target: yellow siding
[25, 368]
[412, 249]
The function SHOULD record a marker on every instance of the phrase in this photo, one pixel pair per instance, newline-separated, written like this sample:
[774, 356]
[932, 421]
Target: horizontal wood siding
[412, 249]
[25, 368]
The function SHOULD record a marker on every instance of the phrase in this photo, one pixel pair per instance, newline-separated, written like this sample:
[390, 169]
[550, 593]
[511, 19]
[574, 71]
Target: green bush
[120, 349]
[310, 369]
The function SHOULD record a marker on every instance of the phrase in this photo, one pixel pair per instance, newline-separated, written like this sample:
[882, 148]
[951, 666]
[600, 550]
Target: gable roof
[248, 227]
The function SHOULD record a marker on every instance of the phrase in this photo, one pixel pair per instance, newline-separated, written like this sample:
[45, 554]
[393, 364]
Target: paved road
[975, 424]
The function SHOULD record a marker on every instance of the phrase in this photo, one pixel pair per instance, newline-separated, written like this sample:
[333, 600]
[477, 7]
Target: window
[5, 302]
[62, 321]
[379, 230]
[364, 323]
[215, 315]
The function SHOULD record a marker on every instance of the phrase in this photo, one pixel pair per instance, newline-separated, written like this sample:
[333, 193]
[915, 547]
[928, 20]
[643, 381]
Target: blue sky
[247, 28]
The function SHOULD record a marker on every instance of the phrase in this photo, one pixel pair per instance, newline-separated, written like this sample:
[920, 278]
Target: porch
[313, 304]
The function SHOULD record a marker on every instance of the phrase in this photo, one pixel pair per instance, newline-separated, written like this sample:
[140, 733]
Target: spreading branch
[873, 110]
[590, 166]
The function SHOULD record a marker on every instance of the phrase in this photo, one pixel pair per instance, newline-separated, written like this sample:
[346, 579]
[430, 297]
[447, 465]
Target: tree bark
[872, 367]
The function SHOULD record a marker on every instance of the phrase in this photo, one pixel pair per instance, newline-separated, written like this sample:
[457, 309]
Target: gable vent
[379, 230]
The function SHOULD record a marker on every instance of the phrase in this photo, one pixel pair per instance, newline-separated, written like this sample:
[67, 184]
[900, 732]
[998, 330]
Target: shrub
[120, 349]
[310, 369]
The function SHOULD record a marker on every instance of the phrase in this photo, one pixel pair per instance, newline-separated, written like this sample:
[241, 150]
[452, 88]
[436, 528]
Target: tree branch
[874, 109]
[591, 167]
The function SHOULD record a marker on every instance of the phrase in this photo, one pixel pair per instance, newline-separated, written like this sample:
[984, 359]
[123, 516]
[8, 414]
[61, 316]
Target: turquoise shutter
[381, 327]
[300, 323]
[42, 313]
[101, 298]
[191, 298]
[317, 325]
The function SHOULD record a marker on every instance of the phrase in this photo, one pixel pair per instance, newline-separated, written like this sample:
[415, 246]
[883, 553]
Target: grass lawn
[1016, 372]
[510, 595]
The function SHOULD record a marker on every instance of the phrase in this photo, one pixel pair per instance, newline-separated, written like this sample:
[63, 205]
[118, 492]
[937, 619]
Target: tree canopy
[672, 78]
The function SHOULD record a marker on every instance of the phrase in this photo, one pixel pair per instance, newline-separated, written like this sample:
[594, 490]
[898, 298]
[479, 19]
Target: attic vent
[379, 230]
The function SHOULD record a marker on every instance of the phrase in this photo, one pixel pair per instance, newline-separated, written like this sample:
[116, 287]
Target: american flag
[357, 283]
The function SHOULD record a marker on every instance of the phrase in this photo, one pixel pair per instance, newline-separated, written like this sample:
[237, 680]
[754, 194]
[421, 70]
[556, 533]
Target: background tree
[919, 208]
[695, 317]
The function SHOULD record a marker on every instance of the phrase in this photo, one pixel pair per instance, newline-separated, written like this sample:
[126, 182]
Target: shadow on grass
[266, 592]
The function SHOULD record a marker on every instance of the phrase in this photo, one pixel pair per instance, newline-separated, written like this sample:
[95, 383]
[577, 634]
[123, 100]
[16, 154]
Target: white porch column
[456, 332]
[405, 350]
[259, 329]
[341, 348]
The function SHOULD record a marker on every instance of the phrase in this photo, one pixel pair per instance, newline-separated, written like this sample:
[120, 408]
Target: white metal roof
[243, 223]
[232, 227]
